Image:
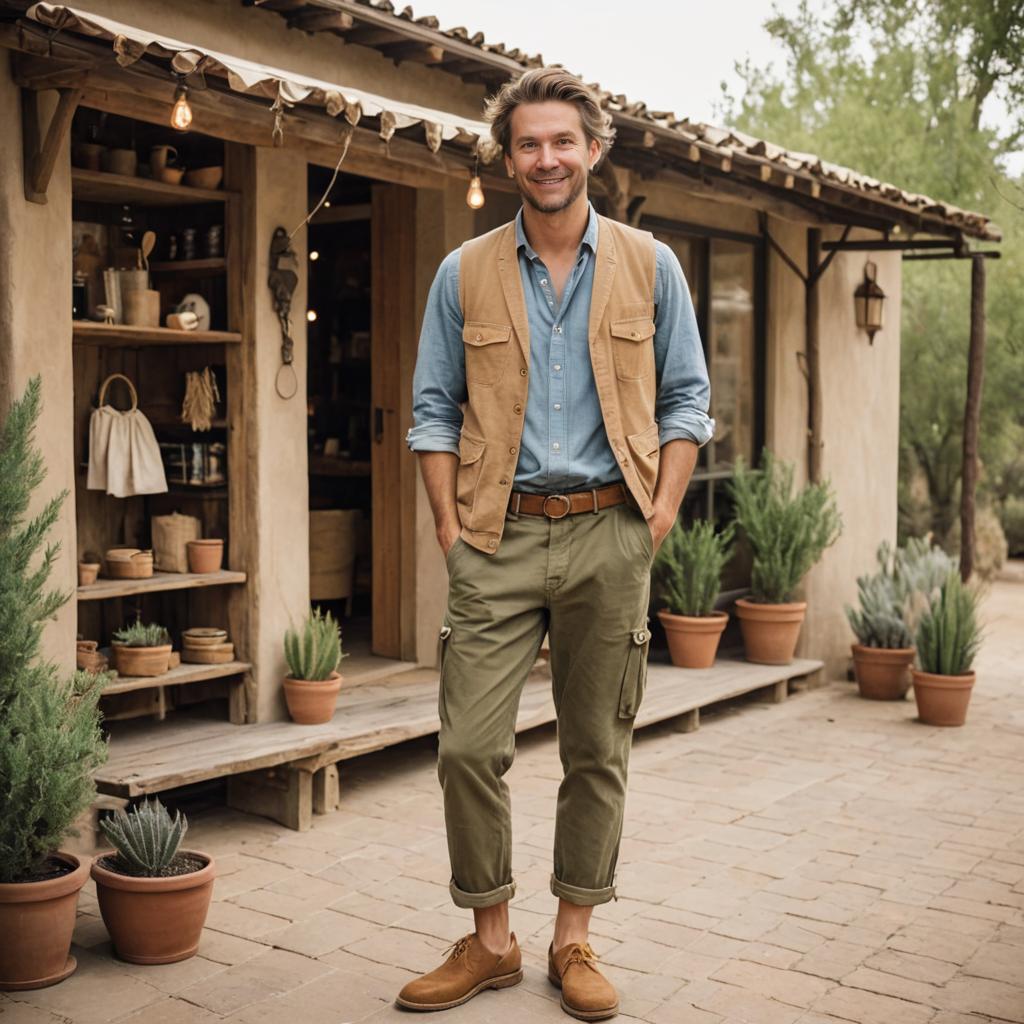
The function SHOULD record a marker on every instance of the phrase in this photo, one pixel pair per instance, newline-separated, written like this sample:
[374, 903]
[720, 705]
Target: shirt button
[543, 280]
[522, 372]
[558, 328]
[517, 408]
[558, 366]
[555, 447]
[558, 405]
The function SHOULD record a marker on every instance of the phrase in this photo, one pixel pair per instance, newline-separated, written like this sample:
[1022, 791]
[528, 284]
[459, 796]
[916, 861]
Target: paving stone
[322, 933]
[915, 968]
[982, 996]
[893, 985]
[865, 1007]
[169, 1010]
[245, 924]
[227, 949]
[932, 942]
[790, 987]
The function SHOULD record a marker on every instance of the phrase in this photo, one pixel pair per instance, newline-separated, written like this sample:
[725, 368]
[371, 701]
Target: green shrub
[146, 838]
[315, 652]
[787, 532]
[949, 635]
[50, 740]
[1011, 515]
[138, 635]
[688, 567]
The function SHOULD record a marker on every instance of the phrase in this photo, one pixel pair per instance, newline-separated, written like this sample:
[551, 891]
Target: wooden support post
[776, 693]
[813, 353]
[688, 721]
[90, 839]
[284, 794]
[326, 790]
[972, 416]
[40, 149]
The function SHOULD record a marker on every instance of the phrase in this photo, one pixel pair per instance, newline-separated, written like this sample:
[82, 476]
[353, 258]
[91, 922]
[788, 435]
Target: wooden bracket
[40, 148]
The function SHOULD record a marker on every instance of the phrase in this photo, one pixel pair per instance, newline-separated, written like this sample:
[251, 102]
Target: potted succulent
[313, 655]
[142, 650]
[787, 534]
[948, 638]
[50, 739]
[153, 896]
[688, 575]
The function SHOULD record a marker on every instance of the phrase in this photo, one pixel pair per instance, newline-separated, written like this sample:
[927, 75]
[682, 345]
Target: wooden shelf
[159, 581]
[101, 187]
[331, 465]
[184, 673]
[86, 332]
[214, 264]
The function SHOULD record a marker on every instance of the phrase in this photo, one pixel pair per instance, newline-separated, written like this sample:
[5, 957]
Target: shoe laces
[582, 954]
[459, 947]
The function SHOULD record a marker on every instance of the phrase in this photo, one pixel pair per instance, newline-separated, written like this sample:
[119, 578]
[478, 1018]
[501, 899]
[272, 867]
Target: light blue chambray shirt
[564, 445]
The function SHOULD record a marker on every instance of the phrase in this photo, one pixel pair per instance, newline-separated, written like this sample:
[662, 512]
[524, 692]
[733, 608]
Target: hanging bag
[124, 457]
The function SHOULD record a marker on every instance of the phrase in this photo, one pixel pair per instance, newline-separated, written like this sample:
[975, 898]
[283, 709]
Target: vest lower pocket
[634, 675]
[487, 349]
[646, 449]
[471, 451]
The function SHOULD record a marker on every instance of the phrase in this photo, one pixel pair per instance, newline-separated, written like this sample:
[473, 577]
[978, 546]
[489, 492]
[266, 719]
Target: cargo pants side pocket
[634, 675]
[442, 652]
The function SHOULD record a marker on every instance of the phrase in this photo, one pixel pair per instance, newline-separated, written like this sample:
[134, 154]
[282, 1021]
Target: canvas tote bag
[124, 457]
[171, 535]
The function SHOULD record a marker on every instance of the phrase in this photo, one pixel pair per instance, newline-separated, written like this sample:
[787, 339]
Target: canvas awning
[283, 88]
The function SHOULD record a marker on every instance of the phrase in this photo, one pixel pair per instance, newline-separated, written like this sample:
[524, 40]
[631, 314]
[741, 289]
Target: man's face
[550, 154]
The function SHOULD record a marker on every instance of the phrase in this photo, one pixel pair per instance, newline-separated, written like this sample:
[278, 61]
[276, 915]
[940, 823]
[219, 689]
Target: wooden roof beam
[414, 51]
[307, 20]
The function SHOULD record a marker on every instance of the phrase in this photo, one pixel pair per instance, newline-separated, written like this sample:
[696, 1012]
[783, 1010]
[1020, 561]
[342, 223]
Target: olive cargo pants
[584, 579]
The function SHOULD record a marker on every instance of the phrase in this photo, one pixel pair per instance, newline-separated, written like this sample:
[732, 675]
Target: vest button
[511, 451]
[517, 408]
[522, 372]
[503, 481]
[492, 543]
[636, 334]
[480, 337]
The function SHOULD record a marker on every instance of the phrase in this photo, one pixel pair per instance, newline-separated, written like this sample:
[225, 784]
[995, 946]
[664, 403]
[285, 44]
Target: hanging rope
[346, 132]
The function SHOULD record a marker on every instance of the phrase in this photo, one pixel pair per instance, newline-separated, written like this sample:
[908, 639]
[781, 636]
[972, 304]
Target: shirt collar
[589, 236]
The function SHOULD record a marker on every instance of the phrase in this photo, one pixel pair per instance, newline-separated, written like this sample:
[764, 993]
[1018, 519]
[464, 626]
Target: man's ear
[509, 167]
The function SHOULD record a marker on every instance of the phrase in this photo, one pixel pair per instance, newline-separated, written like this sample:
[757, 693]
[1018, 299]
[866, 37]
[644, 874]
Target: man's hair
[539, 85]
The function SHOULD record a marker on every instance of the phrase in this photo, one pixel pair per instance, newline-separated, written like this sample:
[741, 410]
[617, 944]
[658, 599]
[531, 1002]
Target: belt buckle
[557, 497]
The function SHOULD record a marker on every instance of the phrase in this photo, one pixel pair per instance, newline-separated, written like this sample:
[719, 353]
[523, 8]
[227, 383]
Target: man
[560, 398]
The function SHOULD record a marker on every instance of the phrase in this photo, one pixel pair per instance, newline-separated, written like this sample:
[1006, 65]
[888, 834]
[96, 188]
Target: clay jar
[692, 639]
[205, 555]
[883, 673]
[311, 702]
[942, 700]
[770, 631]
[154, 920]
[36, 921]
[142, 661]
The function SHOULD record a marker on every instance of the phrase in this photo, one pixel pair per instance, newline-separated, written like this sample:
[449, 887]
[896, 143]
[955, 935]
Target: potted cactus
[50, 738]
[313, 654]
[142, 650]
[787, 534]
[687, 578]
[948, 638]
[153, 896]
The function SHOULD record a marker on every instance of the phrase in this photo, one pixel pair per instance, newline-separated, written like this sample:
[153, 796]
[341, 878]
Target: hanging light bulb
[311, 315]
[475, 193]
[314, 255]
[181, 114]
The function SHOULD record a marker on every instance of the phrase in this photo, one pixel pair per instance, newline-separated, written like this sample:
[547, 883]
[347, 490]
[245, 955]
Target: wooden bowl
[204, 636]
[169, 175]
[142, 661]
[128, 564]
[204, 177]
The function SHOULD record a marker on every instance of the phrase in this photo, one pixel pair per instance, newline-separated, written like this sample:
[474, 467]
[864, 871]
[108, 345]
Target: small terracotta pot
[311, 702]
[942, 700]
[204, 177]
[692, 639]
[36, 922]
[87, 573]
[154, 920]
[142, 661]
[883, 673]
[770, 631]
[205, 555]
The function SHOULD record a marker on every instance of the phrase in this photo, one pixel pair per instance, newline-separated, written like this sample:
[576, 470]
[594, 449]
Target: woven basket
[128, 564]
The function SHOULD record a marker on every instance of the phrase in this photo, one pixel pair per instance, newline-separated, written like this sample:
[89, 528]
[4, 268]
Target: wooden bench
[288, 772]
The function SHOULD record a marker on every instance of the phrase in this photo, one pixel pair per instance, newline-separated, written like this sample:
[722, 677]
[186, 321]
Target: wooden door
[393, 347]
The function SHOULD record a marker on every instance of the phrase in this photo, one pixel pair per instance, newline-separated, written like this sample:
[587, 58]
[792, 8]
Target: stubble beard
[557, 205]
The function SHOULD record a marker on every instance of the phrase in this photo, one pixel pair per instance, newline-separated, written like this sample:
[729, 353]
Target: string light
[314, 255]
[311, 315]
[181, 113]
[475, 198]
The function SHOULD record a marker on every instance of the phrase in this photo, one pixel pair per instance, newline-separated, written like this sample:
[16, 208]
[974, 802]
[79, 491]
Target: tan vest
[496, 336]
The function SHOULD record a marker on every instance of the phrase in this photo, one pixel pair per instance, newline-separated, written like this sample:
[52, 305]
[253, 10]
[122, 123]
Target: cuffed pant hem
[582, 897]
[470, 900]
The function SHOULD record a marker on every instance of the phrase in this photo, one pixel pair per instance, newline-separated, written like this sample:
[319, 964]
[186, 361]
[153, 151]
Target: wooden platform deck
[282, 769]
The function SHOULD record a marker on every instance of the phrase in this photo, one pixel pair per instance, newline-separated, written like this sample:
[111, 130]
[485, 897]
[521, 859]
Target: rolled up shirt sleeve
[439, 382]
[684, 392]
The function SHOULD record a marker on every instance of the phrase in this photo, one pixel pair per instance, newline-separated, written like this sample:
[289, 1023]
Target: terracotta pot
[142, 661]
[204, 177]
[770, 631]
[883, 673]
[692, 639]
[87, 573]
[36, 922]
[154, 920]
[205, 555]
[311, 702]
[942, 700]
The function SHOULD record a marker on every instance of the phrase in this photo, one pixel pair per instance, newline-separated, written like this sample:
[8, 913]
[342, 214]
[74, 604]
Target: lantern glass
[868, 300]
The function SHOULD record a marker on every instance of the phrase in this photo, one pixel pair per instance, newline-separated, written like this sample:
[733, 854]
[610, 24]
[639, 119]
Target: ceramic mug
[159, 156]
[88, 155]
[122, 161]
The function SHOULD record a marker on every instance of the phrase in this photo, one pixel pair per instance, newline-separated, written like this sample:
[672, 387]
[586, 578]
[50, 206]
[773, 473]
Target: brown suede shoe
[469, 969]
[586, 993]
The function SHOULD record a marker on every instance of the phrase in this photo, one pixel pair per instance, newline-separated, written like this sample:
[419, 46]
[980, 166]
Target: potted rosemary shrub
[313, 654]
[142, 650]
[50, 740]
[688, 576]
[153, 897]
[948, 638]
[787, 535]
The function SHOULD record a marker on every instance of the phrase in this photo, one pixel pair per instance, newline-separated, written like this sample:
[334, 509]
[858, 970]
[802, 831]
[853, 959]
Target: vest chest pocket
[633, 347]
[487, 350]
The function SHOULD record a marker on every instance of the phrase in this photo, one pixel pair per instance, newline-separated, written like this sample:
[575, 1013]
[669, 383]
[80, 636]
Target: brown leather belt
[558, 506]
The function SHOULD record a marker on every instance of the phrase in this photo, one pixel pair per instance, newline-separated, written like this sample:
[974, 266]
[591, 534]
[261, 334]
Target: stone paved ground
[825, 860]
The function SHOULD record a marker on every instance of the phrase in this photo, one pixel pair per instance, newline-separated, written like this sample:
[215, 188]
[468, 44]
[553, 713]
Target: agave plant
[139, 635]
[314, 653]
[146, 838]
[879, 622]
[949, 635]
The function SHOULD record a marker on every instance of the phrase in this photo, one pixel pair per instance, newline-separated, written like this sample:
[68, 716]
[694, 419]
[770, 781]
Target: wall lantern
[867, 301]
